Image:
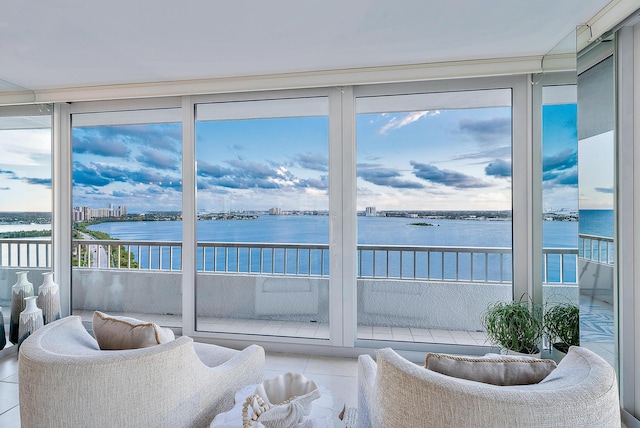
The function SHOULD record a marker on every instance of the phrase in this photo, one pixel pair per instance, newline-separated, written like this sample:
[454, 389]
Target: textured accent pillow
[495, 369]
[114, 332]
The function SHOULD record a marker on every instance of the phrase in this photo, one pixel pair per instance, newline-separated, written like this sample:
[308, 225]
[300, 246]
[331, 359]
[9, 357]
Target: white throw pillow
[114, 332]
[492, 368]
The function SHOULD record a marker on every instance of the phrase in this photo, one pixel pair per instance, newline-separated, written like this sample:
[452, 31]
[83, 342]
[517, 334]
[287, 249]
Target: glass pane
[25, 206]
[434, 214]
[263, 225]
[596, 157]
[560, 214]
[127, 215]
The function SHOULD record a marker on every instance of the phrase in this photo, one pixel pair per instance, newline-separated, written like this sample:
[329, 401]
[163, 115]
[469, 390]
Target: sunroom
[378, 182]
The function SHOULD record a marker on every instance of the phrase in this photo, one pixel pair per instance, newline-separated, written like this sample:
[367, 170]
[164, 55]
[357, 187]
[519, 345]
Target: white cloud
[20, 147]
[397, 123]
[491, 201]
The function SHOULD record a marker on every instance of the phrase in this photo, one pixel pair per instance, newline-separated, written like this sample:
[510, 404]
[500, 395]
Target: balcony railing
[25, 253]
[596, 248]
[396, 262]
[450, 264]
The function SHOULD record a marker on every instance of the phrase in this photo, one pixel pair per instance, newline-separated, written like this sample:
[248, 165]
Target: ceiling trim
[605, 20]
[17, 98]
[329, 78]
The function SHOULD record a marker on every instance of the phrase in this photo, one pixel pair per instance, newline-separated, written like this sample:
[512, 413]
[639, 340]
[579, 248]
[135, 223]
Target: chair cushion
[115, 332]
[492, 368]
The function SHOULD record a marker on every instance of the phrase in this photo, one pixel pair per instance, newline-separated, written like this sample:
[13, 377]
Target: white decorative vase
[21, 289]
[49, 298]
[30, 319]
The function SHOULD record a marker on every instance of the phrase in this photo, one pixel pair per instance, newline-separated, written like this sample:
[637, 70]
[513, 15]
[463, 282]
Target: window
[127, 214]
[263, 224]
[434, 214]
[25, 201]
[596, 158]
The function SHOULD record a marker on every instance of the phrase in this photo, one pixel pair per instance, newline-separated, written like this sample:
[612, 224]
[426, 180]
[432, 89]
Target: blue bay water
[597, 222]
[372, 231]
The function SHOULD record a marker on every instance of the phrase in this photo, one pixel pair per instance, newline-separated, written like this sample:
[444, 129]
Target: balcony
[282, 290]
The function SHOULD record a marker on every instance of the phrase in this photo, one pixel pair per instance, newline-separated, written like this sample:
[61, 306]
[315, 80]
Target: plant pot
[521, 354]
[556, 354]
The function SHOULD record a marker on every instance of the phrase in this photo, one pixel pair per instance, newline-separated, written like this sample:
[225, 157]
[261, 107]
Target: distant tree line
[25, 234]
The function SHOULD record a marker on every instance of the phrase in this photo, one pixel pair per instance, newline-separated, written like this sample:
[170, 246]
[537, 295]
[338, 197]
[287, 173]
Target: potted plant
[562, 327]
[515, 326]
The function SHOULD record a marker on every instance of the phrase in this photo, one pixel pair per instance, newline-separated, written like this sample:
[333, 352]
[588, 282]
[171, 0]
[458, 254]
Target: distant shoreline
[38, 224]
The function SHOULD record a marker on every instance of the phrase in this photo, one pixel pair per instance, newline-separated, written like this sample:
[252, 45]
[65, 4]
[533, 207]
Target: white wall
[399, 303]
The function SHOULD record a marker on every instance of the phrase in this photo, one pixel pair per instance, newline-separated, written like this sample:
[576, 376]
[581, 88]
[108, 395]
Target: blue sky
[138, 166]
[263, 163]
[559, 157]
[25, 170]
[440, 159]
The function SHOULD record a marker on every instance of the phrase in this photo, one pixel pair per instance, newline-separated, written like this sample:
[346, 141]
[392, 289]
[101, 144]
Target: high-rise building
[87, 213]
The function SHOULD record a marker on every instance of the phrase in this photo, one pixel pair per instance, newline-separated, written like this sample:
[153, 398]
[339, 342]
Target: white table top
[324, 411]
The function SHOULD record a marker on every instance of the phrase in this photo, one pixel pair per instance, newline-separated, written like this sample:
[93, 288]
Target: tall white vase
[21, 289]
[30, 319]
[49, 298]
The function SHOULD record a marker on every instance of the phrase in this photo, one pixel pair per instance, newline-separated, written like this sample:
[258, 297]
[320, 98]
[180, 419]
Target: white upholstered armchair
[395, 393]
[67, 381]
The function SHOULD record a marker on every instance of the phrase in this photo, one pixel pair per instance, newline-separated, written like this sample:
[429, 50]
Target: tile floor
[311, 330]
[338, 374]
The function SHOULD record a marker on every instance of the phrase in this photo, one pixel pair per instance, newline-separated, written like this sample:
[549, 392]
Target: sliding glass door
[434, 214]
[262, 217]
[127, 214]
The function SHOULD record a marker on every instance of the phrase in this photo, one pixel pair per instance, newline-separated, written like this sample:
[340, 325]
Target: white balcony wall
[432, 304]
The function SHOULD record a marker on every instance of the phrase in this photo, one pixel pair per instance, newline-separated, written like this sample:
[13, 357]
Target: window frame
[342, 202]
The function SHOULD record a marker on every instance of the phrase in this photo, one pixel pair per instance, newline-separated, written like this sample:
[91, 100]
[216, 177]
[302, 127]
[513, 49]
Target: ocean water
[597, 222]
[11, 227]
[384, 231]
[371, 231]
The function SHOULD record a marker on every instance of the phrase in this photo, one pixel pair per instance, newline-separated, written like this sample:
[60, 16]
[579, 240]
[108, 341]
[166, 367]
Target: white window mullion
[627, 230]
[188, 217]
[522, 185]
[62, 202]
[349, 218]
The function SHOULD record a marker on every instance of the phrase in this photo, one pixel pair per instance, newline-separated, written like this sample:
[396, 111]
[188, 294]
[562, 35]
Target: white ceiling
[77, 43]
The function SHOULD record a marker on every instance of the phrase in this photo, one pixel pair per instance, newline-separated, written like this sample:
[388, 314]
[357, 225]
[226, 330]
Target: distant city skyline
[445, 159]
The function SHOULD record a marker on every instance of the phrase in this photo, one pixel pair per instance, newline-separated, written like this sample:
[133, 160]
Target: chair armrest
[367, 370]
[213, 355]
[247, 364]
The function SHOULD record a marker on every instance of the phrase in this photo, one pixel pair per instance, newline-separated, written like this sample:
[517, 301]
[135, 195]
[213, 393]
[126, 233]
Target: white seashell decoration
[281, 402]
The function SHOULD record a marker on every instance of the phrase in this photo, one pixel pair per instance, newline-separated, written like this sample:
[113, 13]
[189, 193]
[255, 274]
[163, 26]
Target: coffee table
[326, 411]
